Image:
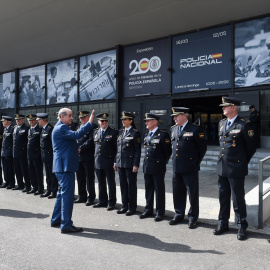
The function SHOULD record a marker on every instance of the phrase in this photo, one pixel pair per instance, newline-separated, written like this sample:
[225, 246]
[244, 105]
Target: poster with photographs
[97, 76]
[252, 52]
[7, 90]
[62, 82]
[32, 86]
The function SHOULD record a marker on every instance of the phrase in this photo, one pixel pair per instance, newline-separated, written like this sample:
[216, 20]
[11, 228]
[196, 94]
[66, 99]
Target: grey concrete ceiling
[38, 31]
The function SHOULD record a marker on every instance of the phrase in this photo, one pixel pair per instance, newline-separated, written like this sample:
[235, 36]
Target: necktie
[150, 134]
[228, 124]
[102, 133]
[126, 131]
[180, 129]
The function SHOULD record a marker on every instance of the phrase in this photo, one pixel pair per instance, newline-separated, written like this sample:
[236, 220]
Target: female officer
[127, 163]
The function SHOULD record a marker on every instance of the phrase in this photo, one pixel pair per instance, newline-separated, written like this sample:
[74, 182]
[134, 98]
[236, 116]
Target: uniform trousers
[86, 180]
[35, 168]
[51, 180]
[21, 172]
[155, 182]
[232, 186]
[128, 186]
[63, 207]
[8, 169]
[102, 174]
[184, 183]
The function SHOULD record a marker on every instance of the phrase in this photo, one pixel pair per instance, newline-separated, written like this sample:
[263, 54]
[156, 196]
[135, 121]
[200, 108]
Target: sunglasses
[103, 120]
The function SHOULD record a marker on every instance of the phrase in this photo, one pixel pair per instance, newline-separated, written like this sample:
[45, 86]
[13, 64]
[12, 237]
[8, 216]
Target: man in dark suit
[6, 153]
[105, 139]
[35, 165]
[158, 150]
[237, 146]
[86, 172]
[47, 155]
[20, 154]
[65, 164]
[188, 149]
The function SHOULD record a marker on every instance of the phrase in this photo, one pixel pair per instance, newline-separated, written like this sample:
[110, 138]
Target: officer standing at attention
[47, 155]
[127, 162]
[35, 165]
[237, 146]
[6, 153]
[158, 150]
[86, 172]
[65, 164]
[20, 154]
[105, 139]
[188, 149]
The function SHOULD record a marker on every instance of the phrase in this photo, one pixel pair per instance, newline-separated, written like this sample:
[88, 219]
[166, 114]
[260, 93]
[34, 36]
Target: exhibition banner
[202, 60]
[146, 68]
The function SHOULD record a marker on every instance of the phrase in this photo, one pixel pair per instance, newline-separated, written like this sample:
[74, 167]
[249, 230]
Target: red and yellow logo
[144, 65]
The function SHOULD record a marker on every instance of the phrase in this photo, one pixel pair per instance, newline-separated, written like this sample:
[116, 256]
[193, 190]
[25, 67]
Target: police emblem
[123, 114]
[146, 115]
[81, 113]
[17, 115]
[173, 110]
[30, 116]
[104, 115]
[250, 133]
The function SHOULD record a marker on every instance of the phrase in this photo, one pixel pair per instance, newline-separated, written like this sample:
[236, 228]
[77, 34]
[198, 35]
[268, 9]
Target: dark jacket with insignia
[157, 152]
[20, 139]
[33, 145]
[188, 148]
[86, 143]
[237, 146]
[46, 144]
[128, 149]
[105, 148]
[7, 144]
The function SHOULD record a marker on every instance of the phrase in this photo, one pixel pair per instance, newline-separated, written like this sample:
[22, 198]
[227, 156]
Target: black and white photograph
[97, 76]
[62, 82]
[32, 86]
[252, 52]
[7, 90]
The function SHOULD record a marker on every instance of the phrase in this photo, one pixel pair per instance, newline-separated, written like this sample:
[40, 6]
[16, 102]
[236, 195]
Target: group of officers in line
[104, 150]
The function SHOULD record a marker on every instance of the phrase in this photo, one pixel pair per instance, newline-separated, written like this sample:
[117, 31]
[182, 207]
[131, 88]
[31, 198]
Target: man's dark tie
[180, 129]
[102, 133]
[228, 124]
[150, 134]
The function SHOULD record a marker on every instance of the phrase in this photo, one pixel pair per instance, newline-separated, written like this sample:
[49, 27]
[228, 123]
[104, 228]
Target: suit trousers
[128, 186]
[21, 172]
[155, 183]
[184, 183]
[8, 169]
[232, 186]
[35, 167]
[86, 180]
[64, 200]
[102, 174]
[51, 180]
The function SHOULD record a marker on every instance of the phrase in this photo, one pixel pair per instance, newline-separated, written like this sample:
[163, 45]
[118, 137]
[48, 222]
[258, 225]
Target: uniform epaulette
[223, 119]
[173, 126]
[163, 130]
[121, 129]
[96, 129]
[135, 129]
[194, 124]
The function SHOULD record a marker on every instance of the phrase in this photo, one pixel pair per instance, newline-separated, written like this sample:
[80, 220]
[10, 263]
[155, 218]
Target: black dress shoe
[221, 229]
[97, 205]
[29, 191]
[4, 185]
[72, 229]
[45, 194]
[159, 218]
[79, 200]
[55, 225]
[130, 212]
[52, 196]
[122, 211]
[17, 188]
[175, 221]
[146, 214]
[192, 224]
[9, 187]
[38, 193]
[241, 234]
[110, 207]
[88, 203]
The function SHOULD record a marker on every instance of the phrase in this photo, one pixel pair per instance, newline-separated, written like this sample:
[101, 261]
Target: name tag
[35, 133]
[21, 131]
[44, 135]
[235, 131]
[188, 134]
[155, 140]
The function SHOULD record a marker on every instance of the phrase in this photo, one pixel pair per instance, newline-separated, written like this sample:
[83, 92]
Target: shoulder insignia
[201, 135]
[173, 126]
[139, 140]
[167, 140]
[223, 120]
[250, 133]
[163, 130]
[96, 129]
[194, 124]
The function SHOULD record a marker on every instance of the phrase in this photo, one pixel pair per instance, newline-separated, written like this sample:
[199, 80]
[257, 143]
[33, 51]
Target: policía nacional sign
[145, 68]
[201, 60]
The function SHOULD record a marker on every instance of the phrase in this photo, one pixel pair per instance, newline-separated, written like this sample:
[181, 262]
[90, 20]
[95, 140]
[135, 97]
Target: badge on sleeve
[250, 133]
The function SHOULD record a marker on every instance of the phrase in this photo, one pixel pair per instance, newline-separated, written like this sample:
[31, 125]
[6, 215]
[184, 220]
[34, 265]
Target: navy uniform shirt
[20, 141]
[7, 144]
[33, 145]
[46, 144]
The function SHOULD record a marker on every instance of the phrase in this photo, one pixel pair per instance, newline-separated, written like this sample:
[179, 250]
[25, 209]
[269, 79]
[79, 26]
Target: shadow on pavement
[20, 214]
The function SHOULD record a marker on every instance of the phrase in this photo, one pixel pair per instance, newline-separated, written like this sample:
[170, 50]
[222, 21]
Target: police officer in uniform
[6, 153]
[86, 172]
[188, 149]
[35, 165]
[158, 150]
[237, 146]
[20, 140]
[105, 139]
[47, 155]
[127, 163]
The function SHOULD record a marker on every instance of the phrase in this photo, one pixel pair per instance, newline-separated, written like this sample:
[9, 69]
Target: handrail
[261, 193]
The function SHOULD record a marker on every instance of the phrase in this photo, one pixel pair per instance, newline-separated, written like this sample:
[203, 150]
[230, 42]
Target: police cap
[102, 116]
[82, 114]
[230, 101]
[5, 117]
[151, 116]
[127, 115]
[179, 110]
[19, 116]
[31, 117]
[42, 116]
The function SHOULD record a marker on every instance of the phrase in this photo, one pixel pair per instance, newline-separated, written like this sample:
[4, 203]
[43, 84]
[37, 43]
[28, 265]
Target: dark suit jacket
[46, 144]
[7, 144]
[65, 147]
[188, 148]
[237, 146]
[128, 149]
[33, 145]
[20, 139]
[157, 152]
[105, 148]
